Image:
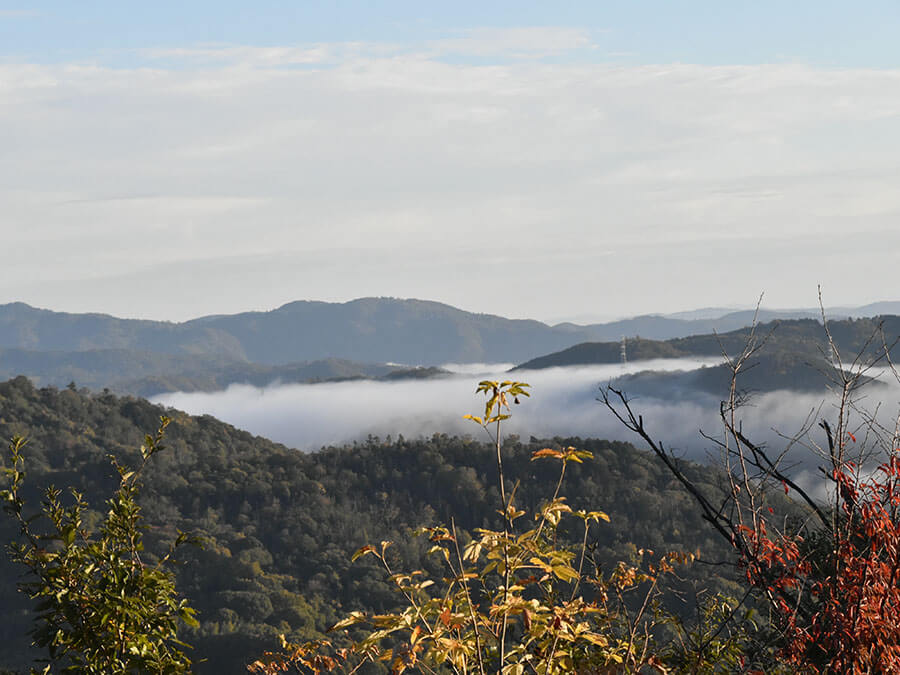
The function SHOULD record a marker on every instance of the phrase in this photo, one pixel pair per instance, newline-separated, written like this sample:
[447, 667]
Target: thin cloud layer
[267, 174]
[564, 403]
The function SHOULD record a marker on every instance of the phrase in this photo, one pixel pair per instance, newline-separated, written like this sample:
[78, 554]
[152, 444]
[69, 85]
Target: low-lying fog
[308, 416]
[563, 403]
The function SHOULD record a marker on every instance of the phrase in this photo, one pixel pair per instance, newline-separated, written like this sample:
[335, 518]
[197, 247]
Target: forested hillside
[280, 525]
[367, 329]
[149, 373]
[772, 371]
[789, 340]
[379, 330]
[365, 338]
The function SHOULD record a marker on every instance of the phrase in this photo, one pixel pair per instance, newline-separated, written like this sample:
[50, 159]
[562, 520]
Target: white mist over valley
[563, 403]
[309, 416]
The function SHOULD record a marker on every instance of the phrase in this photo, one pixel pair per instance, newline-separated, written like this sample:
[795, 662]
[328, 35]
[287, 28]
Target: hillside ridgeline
[366, 338]
[795, 356]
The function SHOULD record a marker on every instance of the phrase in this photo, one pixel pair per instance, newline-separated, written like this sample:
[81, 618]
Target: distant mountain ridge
[794, 356]
[788, 339]
[305, 330]
[372, 330]
[841, 312]
[148, 373]
[141, 356]
[25, 327]
[664, 327]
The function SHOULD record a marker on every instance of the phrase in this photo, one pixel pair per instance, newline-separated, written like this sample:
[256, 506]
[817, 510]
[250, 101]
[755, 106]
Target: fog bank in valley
[308, 416]
[563, 403]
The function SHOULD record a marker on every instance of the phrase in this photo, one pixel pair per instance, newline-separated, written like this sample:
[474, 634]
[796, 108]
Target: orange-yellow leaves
[498, 395]
[569, 454]
[546, 452]
[365, 550]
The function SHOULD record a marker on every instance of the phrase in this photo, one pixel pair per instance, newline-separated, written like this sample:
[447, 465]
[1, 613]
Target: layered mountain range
[313, 341]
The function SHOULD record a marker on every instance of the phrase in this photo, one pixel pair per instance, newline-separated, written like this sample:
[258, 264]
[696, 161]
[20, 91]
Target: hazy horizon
[578, 319]
[597, 160]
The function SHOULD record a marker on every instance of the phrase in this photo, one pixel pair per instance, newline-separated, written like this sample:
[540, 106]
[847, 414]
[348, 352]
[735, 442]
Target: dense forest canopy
[279, 525]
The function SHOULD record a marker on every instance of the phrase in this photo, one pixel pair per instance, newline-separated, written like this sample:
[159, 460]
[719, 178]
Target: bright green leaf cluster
[100, 607]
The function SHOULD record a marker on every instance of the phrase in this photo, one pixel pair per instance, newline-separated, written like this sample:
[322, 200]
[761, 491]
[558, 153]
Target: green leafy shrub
[100, 607]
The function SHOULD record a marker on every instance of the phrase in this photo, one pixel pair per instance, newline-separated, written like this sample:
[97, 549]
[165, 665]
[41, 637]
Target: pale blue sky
[827, 33]
[587, 159]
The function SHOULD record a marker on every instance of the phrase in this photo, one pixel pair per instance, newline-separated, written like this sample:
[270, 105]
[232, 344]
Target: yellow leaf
[365, 550]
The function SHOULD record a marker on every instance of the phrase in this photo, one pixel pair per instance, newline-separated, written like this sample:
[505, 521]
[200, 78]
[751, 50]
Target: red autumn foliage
[838, 609]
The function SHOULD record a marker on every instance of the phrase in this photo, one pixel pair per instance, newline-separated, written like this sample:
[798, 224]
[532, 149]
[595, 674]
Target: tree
[100, 607]
[828, 572]
[513, 599]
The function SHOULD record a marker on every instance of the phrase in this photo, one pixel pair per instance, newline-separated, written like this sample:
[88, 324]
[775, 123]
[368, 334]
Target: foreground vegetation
[534, 586]
[522, 597]
[279, 526]
[827, 574]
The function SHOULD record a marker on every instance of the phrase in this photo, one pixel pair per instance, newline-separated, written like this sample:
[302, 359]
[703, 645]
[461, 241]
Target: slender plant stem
[465, 585]
[506, 531]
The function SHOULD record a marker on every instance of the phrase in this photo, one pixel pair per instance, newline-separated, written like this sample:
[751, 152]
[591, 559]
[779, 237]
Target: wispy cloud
[491, 44]
[260, 57]
[532, 42]
[20, 13]
[557, 175]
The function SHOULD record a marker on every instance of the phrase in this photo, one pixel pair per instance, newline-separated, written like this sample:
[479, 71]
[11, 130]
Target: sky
[543, 160]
